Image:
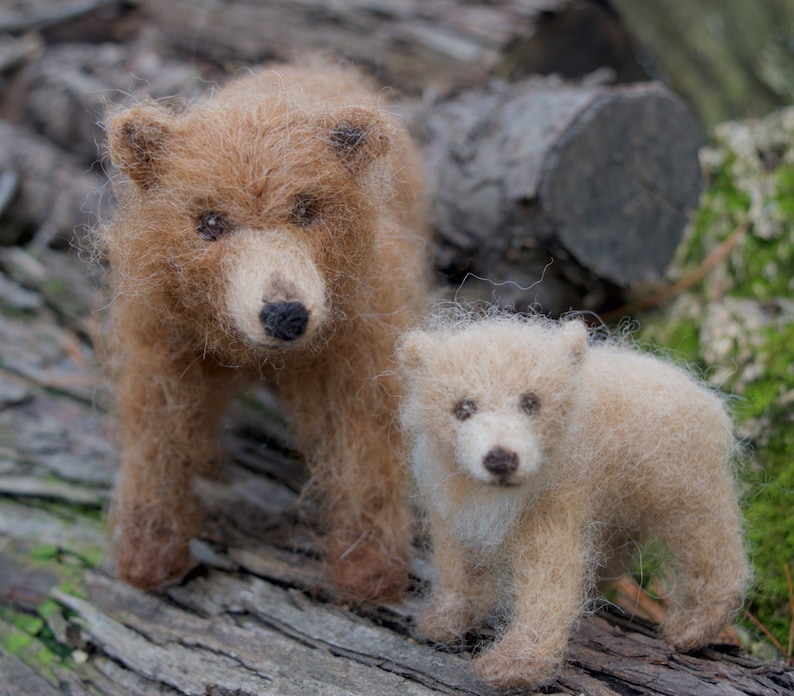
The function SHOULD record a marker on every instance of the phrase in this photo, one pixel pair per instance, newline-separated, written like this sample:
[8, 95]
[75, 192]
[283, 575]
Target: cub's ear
[358, 135]
[138, 142]
[412, 350]
[574, 338]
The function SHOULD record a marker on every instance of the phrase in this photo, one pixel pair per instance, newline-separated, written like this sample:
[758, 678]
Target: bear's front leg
[550, 576]
[168, 411]
[343, 411]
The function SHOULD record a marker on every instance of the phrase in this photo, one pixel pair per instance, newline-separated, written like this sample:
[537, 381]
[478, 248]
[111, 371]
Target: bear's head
[249, 217]
[490, 399]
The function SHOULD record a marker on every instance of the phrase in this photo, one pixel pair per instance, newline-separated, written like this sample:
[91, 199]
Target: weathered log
[600, 178]
[16, 51]
[406, 43]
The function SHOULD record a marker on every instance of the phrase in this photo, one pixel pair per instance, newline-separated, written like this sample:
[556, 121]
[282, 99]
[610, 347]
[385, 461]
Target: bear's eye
[211, 226]
[529, 403]
[305, 211]
[464, 409]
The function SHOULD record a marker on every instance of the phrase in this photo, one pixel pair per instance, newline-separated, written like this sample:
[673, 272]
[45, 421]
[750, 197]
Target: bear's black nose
[284, 320]
[500, 461]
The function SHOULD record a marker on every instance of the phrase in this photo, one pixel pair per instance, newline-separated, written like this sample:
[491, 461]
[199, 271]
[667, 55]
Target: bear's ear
[574, 337]
[358, 135]
[138, 142]
[413, 349]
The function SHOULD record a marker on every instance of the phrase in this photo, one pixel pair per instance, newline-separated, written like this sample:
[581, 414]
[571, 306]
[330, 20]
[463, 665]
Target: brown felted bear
[546, 464]
[273, 230]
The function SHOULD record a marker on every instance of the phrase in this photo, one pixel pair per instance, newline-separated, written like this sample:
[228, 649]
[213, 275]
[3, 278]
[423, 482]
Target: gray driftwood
[258, 616]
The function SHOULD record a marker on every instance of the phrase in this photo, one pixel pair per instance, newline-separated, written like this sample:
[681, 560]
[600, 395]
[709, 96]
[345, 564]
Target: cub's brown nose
[500, 461]
[285, 321]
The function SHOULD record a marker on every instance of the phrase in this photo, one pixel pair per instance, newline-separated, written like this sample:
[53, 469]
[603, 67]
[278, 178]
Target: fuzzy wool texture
[546, 463]
[291, 187]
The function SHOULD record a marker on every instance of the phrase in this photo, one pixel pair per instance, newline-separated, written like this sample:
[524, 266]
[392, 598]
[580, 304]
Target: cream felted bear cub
[544, 462]
[272, 230]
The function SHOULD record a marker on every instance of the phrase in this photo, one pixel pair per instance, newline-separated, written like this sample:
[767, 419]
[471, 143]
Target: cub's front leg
[550, 576]
[168, 410]
[462, 595]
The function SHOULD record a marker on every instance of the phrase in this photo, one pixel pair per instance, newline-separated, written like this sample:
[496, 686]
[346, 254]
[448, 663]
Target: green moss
[771, 478]
[69, 509]
[44, 552]
[27, 623]
[681, 336]
[48, 608]
[16, 641]
[30, 638]
[75, 589]
[721, 208]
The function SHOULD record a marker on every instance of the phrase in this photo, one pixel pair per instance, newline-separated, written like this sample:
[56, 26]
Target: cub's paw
[509, 670]
[444, 622]
[696, 627]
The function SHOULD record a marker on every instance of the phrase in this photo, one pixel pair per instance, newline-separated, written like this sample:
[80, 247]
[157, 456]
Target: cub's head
[490, 399]
[251, 215]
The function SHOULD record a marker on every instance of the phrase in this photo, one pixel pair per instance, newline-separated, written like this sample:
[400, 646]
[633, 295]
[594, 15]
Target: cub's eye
[529, 403]
[211, 226]
[464, 409]
[305, 211]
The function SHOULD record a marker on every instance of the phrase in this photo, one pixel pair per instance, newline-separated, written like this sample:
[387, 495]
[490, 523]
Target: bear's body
[544, 463]
[273, 230]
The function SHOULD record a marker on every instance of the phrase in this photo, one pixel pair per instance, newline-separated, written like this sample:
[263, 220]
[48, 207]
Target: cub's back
[643, 419]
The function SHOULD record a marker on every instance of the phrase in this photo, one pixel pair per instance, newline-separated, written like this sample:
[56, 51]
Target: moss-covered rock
[738, 325]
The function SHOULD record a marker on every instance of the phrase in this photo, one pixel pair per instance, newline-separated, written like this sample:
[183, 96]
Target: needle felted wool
[545, 463]
[273, 230]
